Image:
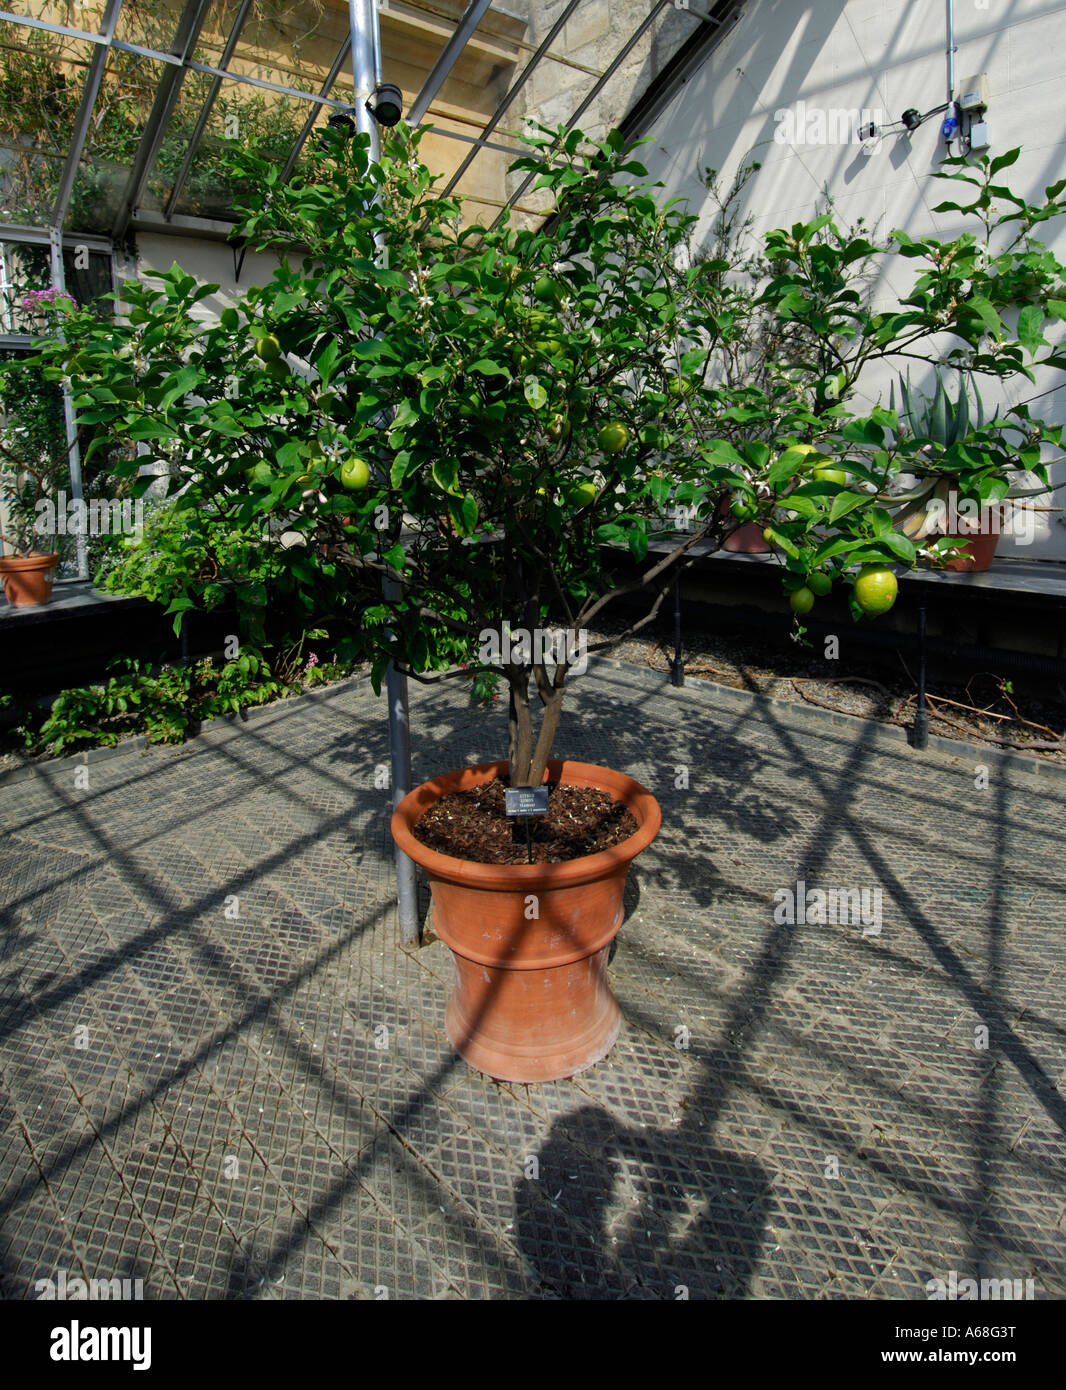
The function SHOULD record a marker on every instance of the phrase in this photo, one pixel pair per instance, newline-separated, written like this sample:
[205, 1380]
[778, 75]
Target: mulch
[473, 824]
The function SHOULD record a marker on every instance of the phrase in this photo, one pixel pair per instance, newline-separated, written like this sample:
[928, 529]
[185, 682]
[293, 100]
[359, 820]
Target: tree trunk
[527, 764]
[520, 726]
[551, 695]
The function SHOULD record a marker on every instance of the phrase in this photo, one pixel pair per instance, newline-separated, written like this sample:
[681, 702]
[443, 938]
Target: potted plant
[963, 470]
[467, 444]
[33, 465]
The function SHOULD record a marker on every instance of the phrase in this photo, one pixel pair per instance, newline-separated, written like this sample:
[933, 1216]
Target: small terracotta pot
[979, 549]
[28, 579]
[531, 1001]
[748, 537]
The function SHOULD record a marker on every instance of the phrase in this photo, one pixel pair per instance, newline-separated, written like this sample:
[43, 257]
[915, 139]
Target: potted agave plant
[964, 469]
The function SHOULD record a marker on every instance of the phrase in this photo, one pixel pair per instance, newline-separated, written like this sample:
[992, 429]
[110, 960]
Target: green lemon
[547, 291]
[613, 437]
[557, 427]
[355, 474]
[822, 474]
[819, 583]
[550, 347]
[875, 589]
[582, 494]
[268, 349]
[801, 600]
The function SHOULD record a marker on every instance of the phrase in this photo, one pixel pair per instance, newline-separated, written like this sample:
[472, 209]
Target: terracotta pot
[531, 1001]
[979, 549]
[28, 579]
[747, 539]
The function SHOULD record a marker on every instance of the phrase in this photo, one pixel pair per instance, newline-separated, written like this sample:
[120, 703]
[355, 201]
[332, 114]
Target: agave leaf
[938, 414]
[905, 393]
[980, 406]
[1030, 492]
[897, 499]
[960, 426]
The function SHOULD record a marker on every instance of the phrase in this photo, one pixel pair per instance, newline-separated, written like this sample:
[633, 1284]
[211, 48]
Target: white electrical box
[973, 94]
[979, 136]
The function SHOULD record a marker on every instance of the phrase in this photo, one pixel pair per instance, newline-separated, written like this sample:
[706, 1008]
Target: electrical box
[973, 94]
[979, 136]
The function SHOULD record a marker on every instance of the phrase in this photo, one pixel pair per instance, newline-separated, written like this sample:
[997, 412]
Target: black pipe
[921, 711]
[677, 666]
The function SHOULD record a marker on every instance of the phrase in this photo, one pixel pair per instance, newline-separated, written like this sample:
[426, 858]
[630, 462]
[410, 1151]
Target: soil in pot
[473, 824]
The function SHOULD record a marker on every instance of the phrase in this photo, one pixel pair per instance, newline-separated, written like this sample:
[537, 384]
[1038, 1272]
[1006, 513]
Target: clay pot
[747, 539]
[979, 549]
[28, 579]
[531, 1001]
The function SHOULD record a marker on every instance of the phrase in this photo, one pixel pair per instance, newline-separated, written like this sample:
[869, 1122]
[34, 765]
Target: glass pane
[149, 24]
[41, 81]
[22, 269]
[122, 106]
[86, 15]
[289, 42]
[242, 119]
[88, 276]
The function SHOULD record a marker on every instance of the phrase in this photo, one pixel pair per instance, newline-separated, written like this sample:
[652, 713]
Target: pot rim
[37, 560]
[570, 872]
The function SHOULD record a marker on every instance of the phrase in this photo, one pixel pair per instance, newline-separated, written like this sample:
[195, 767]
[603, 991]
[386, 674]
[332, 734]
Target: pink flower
[37, 300]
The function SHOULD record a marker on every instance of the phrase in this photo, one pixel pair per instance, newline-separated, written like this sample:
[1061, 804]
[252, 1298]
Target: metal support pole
[366, 73]
[921, 711]
[59, 282]
[400, 748]
[677, 666]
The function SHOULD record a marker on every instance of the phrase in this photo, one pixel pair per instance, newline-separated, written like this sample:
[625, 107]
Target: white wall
[884, 55]
[211, 262]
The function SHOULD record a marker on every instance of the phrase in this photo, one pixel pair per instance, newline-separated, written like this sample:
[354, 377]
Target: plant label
[526, 801]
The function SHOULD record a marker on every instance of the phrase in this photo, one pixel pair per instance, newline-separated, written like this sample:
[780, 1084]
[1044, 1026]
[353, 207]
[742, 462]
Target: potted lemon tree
[464, 440]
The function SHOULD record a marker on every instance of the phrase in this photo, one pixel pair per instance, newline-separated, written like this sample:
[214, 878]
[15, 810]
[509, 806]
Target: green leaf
[489, 368]
[986, 312]
[1004, 161]
[845, 502]
[178, 384]
[535, 393]
[445, 473]
[1031, 328]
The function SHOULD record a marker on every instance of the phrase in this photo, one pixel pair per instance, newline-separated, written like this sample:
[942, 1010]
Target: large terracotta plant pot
[28, 579]
[531, 1000]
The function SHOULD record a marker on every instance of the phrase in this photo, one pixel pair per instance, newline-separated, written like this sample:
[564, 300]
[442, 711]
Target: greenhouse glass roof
[120, 114]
